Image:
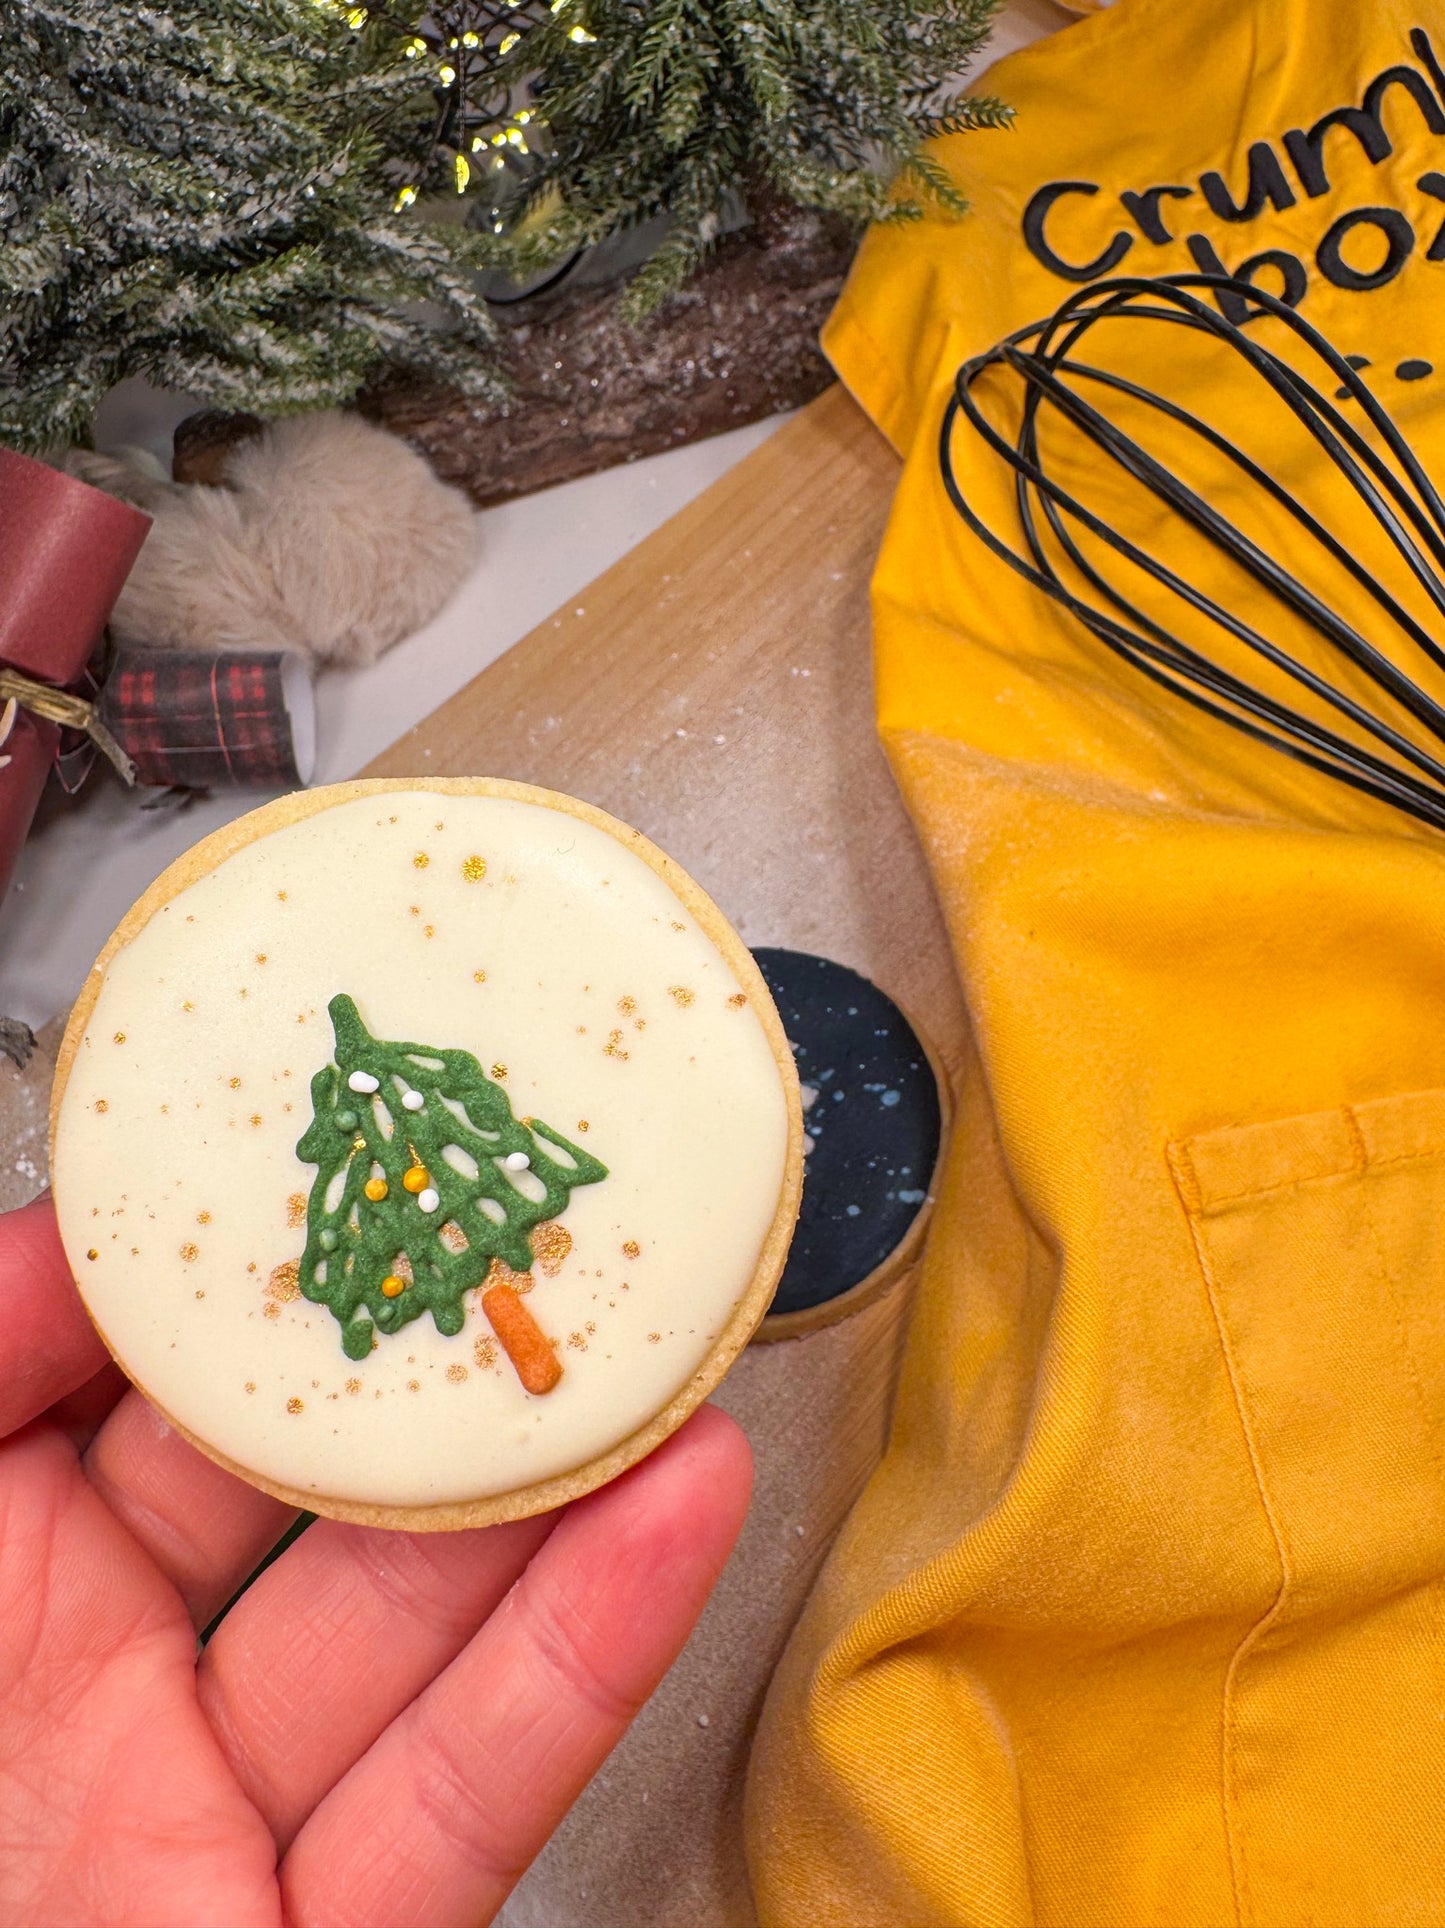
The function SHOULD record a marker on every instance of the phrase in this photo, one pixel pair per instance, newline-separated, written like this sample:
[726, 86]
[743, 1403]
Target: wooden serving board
[715, 689]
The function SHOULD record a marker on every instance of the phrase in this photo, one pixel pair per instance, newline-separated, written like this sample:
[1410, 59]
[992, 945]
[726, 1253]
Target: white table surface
[89, 857]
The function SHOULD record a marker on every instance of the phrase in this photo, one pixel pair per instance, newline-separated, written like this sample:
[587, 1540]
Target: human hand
[387, 1726]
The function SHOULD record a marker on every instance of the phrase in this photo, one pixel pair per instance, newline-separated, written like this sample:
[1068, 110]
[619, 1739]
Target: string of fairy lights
[480, 124]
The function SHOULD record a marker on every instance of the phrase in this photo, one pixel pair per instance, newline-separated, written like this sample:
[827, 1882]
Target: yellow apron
[1142, 1619]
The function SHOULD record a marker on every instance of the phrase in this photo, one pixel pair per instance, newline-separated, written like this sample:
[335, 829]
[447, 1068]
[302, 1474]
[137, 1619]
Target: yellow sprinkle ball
[376, 1190]
[392, 1286]
[417, 1179]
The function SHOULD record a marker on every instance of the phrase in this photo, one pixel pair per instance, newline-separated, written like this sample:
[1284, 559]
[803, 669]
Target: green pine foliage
[643, 107]
[197, 191]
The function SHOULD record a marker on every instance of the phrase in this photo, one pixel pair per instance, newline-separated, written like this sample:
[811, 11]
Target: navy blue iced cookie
[872, 1118]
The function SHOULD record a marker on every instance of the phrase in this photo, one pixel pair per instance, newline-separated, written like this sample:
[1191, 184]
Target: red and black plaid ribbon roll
[207, 718]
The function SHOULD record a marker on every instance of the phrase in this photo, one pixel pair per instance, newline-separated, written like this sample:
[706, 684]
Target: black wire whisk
[1064, 547]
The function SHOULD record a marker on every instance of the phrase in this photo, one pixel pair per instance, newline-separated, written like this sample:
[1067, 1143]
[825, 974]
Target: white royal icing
[571, 963]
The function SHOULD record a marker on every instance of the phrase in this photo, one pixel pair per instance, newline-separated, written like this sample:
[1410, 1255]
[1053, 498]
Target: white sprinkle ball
[363, 1081]
[413, 1100]
[429, 1199]
[517, 1161]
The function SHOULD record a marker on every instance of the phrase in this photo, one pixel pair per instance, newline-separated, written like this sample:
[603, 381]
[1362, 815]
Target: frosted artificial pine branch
[635, 108]
[201, 192]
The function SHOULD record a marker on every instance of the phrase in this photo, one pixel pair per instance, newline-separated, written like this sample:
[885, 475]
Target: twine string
[70, 712]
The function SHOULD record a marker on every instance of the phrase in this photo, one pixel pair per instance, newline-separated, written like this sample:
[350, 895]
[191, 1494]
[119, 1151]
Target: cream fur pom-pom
[329, 536]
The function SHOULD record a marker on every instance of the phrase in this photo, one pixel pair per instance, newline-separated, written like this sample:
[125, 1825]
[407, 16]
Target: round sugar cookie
[426, 1150]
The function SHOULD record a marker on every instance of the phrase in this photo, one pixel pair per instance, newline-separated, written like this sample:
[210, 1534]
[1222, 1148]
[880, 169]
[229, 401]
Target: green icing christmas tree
[424, 1176]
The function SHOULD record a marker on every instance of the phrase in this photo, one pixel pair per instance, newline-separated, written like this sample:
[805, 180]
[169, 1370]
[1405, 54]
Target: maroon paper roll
[65, 552]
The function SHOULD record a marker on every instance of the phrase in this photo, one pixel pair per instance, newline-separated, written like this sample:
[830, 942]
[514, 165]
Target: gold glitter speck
[420, 860]
[413, 910]
[102, 1104]
[474, 869]
[551, 1243]
[296, 1210]
[582, 1125]
[613, 1047]
[294, 1406]
[272, 1311]
[678, 927]
[627, 1005]
[681, 995]
[282, 895]
[453, 1237]
[456, 1374]
[631, 1249]
[576, 1341]
[235, 1084]
[485, 1353]
[737, 1000]
[284, 1283]
[353, 1386]
[255, 1117]
[430, 931]
[654, 1338]
[120, 1037]
[413, 1385]
[260, 957]
[203, 1218]
[499, 1072]
[92, 1253]
[479, 977]
[500, 1273]
[250, 1385]
[190, 1252]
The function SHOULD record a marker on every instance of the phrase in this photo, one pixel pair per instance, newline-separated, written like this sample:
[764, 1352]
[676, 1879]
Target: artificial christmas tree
[236, 199]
